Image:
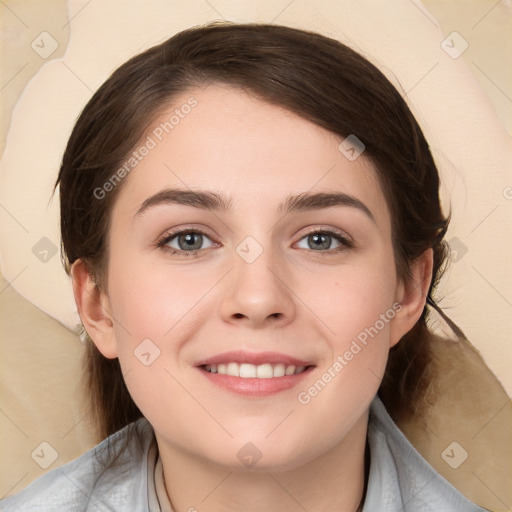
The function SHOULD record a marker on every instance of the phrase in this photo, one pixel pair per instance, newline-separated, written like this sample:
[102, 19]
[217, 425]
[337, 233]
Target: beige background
[41, 359]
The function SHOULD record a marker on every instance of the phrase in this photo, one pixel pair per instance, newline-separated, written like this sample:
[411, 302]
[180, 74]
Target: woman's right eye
[186, 242]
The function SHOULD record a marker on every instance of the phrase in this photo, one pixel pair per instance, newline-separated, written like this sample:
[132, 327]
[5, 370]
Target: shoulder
[82, 484]
[400, 478]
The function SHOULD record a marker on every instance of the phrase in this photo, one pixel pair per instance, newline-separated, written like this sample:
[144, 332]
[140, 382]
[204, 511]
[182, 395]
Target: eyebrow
[212, 201]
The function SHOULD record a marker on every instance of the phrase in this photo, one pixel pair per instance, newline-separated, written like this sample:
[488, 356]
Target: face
[251, 283]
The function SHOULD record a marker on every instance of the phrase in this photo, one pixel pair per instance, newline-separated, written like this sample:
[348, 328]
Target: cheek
[150, 309]
[359, 312]
[357, 308]
[149, 301]
[352, 298]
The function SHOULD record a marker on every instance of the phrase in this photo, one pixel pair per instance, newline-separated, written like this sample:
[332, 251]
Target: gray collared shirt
[400, 479]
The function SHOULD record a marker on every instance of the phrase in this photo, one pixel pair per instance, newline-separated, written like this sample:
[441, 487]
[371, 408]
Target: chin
[260, 455]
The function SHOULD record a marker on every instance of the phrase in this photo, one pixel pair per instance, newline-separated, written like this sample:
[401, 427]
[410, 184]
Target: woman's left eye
[319, 240]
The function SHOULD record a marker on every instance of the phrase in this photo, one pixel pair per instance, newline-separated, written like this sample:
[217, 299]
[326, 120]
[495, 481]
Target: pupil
[189, 240]
[321, 241]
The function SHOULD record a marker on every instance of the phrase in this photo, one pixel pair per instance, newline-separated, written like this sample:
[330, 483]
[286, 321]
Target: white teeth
[233, 369]
[279, 370]
[248, 371]
[264, 371]
[290, 370]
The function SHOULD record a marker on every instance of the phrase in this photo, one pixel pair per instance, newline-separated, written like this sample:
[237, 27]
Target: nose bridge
[257, 290]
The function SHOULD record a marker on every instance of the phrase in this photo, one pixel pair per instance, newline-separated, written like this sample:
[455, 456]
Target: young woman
[250, 215]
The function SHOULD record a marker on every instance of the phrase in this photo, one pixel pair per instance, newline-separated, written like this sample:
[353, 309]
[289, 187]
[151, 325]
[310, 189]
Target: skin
[304, 302]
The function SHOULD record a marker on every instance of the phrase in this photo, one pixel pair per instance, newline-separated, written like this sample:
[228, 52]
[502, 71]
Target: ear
[412, 296]
[94, 309]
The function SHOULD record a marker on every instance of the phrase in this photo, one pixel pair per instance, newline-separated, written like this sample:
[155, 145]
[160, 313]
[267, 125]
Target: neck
[333, 481]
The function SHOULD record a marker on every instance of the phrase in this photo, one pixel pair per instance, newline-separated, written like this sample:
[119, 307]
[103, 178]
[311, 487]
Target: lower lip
[253, 386]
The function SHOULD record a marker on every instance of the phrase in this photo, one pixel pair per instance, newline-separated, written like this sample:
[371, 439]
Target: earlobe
[412, 296]
[94, 310]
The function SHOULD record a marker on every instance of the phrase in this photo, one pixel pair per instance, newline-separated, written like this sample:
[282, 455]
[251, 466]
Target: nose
[258, 294]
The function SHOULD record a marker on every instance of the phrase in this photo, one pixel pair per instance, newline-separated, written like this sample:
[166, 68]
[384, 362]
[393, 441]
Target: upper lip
[240, 357]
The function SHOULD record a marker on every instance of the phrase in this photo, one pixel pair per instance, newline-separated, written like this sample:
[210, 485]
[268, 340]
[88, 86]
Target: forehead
[225, 140]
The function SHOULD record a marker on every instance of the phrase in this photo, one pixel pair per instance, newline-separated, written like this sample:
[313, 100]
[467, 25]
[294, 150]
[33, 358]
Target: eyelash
[343, 240]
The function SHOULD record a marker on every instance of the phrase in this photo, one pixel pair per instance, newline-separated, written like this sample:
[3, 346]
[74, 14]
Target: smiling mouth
[251, 371]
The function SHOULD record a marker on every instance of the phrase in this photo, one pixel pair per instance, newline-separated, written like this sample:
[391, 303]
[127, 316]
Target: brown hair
[316, 77]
